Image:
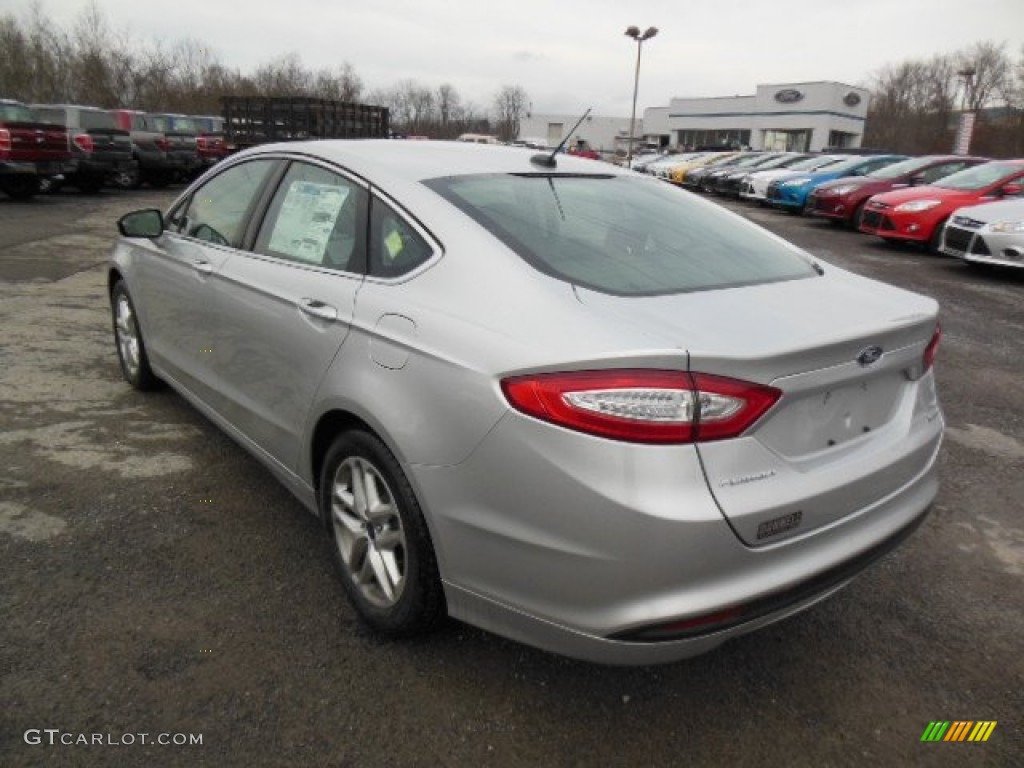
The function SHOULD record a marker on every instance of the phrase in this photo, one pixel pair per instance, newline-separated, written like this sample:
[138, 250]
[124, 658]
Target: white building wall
[605, 134]
[813, 109]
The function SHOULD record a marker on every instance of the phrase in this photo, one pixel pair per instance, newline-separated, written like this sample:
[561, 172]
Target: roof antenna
[548, 161]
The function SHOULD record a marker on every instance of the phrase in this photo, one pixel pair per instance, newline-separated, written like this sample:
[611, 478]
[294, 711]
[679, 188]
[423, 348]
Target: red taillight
[642, 406]
[933, 347]
[202, 143]
[83, 141]
[163, 144]
[5, 140]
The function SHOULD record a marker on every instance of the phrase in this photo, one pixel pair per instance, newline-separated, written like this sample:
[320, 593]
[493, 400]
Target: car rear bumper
[608, 542]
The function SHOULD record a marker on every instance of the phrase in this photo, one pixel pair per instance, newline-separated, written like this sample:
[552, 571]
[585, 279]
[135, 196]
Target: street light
[634, 32]
[962, 142]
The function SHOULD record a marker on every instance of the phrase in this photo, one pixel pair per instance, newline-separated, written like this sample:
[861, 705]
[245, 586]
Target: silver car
[569, 404]
[991, 234]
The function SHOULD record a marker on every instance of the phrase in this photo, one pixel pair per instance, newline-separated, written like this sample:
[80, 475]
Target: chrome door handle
[318, 309]
[205, 267]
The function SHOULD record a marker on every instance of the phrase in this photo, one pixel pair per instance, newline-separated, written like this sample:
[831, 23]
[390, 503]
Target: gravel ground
[156, 580]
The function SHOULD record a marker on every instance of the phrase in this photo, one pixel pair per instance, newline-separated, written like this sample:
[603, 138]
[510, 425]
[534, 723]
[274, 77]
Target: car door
[177, 282]
[289, 303]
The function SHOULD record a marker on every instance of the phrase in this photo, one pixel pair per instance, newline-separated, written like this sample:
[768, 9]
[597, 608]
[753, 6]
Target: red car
[842, 200]
[917, 214]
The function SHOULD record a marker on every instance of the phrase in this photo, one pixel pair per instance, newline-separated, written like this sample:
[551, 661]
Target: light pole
[962, 143]
[634, 32]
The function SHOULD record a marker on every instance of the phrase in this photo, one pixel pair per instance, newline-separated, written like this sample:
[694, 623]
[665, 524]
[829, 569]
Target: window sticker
[394, 245]
[306, 220]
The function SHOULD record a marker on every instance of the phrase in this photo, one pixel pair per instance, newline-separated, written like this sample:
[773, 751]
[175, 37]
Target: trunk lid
[848, 430]
[111, 143]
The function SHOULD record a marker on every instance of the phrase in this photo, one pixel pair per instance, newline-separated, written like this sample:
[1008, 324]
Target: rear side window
[623, 235]
[219, 210]
[395, 247]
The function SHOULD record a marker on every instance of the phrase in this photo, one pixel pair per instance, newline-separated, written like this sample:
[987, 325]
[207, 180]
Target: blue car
[790, 192]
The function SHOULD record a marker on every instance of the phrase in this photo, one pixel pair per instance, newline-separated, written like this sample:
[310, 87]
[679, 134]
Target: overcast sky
[572, 54]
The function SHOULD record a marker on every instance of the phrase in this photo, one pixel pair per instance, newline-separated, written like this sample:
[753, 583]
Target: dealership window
[840, 139]
[733, 138]
[787, 141]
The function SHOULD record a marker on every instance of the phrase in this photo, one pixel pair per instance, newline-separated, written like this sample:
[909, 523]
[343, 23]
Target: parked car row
[965, 206]
[44, 146]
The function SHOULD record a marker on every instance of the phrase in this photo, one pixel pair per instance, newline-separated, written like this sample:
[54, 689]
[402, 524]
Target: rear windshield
[627, 236]
[90, 120]
[16, 113]
[980, 176]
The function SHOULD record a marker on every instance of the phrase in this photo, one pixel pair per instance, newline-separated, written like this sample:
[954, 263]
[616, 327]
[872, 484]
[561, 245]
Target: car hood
[1005, 210]
[764, 332]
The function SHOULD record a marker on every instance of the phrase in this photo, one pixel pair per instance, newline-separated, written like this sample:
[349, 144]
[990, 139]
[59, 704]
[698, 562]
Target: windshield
[627, 236]
[785, 161]
[901, 168]
[814, 163]
[980, 176]
[848, 164]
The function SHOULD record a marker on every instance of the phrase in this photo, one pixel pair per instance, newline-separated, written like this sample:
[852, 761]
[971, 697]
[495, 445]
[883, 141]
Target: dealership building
[802, 117]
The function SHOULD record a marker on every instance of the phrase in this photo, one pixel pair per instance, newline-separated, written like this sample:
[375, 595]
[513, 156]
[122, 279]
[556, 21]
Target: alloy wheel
[368, 531]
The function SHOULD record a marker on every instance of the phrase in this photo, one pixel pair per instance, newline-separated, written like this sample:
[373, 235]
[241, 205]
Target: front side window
[219, 210]
[622, 235]
[317, 217]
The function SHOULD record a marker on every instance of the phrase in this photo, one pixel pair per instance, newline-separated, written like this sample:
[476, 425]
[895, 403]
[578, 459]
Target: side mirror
[148, 223]
[916, 181]
[1011, 190]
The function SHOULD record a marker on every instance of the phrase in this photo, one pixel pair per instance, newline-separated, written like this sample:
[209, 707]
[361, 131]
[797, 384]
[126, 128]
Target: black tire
[131, 349]
[130, 178]
[366, 564]
[22, 186]
[858, 215]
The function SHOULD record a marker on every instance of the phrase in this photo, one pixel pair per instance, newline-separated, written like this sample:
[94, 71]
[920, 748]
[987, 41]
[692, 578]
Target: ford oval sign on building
[788, 95]
[851, 99]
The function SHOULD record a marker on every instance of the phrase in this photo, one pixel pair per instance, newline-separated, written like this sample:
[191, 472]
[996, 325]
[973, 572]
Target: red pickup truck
[30, 151]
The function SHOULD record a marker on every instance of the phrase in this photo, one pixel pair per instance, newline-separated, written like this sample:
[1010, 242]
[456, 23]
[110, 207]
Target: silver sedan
[566, 403]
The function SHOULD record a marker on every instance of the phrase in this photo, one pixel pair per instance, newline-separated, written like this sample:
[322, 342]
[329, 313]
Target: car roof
[416, 160]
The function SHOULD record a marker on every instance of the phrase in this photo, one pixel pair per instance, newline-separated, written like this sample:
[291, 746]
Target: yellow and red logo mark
[959, 730]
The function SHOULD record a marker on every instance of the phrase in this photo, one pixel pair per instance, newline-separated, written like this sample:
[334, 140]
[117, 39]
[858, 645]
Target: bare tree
[509, 107]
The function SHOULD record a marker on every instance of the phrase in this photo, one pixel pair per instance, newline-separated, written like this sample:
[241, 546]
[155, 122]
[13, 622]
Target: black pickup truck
[183, 137]
[31, 152]
[99, 149]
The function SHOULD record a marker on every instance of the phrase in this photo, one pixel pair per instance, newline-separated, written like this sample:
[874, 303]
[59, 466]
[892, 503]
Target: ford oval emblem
[870, 356]
[851, 99]
[788, 95]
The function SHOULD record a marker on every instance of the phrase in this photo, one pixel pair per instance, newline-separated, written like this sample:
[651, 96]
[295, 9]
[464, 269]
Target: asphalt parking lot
[157, 581]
